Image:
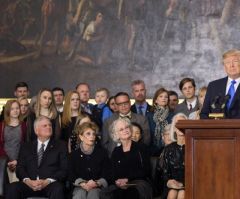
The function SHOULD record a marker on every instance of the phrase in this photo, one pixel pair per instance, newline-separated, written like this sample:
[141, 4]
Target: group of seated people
[84, 151]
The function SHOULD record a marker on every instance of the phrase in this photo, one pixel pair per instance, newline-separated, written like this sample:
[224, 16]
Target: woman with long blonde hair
[45, 106]
[71, 115]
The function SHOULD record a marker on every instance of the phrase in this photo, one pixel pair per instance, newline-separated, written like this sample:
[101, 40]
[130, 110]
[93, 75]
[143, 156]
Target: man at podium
[223, 95]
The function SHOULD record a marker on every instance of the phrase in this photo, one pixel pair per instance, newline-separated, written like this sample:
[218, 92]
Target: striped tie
[40, 153]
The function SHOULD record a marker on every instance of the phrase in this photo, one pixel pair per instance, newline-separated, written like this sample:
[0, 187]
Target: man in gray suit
[124, 111]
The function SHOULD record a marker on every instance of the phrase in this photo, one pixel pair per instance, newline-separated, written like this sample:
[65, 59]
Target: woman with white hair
[173, 162]
[130, 164]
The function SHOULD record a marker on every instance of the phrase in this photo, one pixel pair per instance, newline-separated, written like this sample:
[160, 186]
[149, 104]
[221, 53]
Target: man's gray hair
[137, 82]
[39, 119]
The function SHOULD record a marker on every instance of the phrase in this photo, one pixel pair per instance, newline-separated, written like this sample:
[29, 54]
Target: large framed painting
[109, 43]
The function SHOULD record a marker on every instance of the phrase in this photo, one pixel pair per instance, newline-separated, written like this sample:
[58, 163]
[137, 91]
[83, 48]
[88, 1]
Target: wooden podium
[212, 158]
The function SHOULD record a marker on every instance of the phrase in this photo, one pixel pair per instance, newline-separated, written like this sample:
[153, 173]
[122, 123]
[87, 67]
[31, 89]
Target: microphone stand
[219, 108]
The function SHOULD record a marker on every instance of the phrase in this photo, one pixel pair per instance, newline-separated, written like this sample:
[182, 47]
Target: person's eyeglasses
[123, 103]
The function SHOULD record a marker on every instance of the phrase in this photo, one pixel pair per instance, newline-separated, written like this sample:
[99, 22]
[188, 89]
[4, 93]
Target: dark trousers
[129, 193]
[19, 190]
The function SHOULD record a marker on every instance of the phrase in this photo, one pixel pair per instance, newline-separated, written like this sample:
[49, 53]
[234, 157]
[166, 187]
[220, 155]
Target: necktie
[140, 110]
[40, 153]
[128, 116]
[231, 92]
[86, 108]
[190, 107]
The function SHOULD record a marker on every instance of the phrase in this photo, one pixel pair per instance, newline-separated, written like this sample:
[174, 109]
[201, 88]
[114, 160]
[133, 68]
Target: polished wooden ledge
[209, 124]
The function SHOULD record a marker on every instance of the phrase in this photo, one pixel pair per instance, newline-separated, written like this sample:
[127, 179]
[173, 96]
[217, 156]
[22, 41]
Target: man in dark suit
[83, 90]
[139, 94]
[226, 91]
[123, 102]
[41, 167]
[173, 100]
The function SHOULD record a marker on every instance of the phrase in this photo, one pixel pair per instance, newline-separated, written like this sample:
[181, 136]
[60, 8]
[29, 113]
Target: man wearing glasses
[124, 111]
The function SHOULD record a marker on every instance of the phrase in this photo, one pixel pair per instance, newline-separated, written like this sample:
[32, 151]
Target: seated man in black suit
[225, 91]
[42, 166]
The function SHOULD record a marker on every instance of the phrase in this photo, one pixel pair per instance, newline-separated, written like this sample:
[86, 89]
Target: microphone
[215, 102]
[225, 100]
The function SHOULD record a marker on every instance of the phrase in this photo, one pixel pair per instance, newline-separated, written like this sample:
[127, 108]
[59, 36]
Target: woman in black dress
[89, 165]
[71, 116]
[172, 162]
[130, 164]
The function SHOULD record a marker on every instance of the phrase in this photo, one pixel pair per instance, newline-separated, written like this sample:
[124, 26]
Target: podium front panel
[212, 163]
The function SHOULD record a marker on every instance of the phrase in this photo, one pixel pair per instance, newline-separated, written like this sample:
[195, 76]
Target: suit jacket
[107, 141]
[148, 110]
[53, 164]
[218, 88]
[183, 108]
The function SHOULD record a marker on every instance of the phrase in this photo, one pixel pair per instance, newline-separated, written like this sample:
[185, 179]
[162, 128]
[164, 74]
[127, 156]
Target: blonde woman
[45, 106]
[24, 108]
[70, 117]
[89, 165]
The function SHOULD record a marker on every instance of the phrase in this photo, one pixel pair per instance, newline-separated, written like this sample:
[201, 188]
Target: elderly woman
[173, 162]
[158, 182]
[130, 164]
[89, 165]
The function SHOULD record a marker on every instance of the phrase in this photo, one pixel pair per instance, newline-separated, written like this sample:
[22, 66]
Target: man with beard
[139, 94]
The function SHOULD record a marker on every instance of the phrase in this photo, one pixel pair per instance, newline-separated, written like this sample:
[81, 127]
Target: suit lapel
[35, 151]
[224, 86]
[133, 108]
[149, 107]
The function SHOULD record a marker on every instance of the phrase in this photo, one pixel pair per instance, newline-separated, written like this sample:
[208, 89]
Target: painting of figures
[109, 43]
